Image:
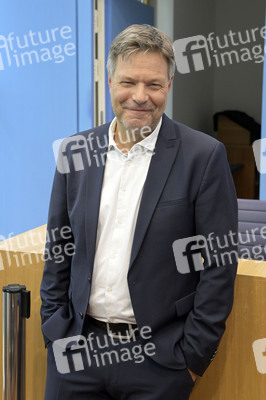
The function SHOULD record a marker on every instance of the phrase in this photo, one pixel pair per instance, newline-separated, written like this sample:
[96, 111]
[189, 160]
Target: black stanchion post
[16, 307]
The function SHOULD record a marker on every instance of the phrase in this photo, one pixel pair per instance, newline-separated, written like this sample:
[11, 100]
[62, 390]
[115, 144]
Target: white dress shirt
[122, 189]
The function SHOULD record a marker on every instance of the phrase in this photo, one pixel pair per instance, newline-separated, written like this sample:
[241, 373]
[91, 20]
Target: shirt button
[111, 319]
[109, 289]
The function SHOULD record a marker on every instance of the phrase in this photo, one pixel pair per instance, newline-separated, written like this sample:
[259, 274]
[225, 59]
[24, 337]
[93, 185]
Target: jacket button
[214, 354]
[89, 278]
[81, 315]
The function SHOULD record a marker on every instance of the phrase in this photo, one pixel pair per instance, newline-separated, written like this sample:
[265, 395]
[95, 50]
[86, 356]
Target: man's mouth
[138, 110]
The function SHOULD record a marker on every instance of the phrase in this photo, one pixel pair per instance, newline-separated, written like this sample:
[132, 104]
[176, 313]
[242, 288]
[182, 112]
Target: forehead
[149, 62]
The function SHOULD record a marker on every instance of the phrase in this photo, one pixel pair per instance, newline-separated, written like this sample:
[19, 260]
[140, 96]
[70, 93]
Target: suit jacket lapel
[94, 182]
[161, 163]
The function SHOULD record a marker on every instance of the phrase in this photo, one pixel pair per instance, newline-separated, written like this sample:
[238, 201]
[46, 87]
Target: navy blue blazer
[188, 191]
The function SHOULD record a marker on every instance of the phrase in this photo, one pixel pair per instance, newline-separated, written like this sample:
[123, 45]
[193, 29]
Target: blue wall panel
[85, 64]
[40, 81]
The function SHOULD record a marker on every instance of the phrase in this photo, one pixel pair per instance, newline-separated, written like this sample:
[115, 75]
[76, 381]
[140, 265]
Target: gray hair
[136, 38]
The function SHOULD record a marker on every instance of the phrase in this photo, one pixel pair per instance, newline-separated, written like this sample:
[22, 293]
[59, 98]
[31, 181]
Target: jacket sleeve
[216, 220]
[58, 255]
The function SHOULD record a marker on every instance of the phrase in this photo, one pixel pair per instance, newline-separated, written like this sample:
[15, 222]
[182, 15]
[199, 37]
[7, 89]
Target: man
[126, 197]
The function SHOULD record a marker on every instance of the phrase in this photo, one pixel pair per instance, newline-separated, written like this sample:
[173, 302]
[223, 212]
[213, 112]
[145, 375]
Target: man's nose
[140, 94]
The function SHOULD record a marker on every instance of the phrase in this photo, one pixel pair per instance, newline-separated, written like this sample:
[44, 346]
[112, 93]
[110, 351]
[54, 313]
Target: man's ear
[109, 82]
[170, 82]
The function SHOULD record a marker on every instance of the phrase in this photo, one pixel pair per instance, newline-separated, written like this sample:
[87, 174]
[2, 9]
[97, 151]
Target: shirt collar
[148, 142]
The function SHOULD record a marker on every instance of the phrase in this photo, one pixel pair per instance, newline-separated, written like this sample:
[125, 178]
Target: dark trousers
[104, 368]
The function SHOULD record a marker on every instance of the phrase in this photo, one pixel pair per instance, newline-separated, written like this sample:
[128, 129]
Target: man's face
[139, 90]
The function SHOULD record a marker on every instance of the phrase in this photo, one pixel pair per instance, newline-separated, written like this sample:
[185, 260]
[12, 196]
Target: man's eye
[127, 83]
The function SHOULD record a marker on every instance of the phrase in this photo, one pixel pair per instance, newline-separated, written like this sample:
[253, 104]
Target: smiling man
[160, 182]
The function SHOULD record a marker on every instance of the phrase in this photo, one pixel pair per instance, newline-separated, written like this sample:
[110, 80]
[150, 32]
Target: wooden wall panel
[233, 374]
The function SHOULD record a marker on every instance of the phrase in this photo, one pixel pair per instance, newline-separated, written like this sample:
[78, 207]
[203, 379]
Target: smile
[137, 110]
